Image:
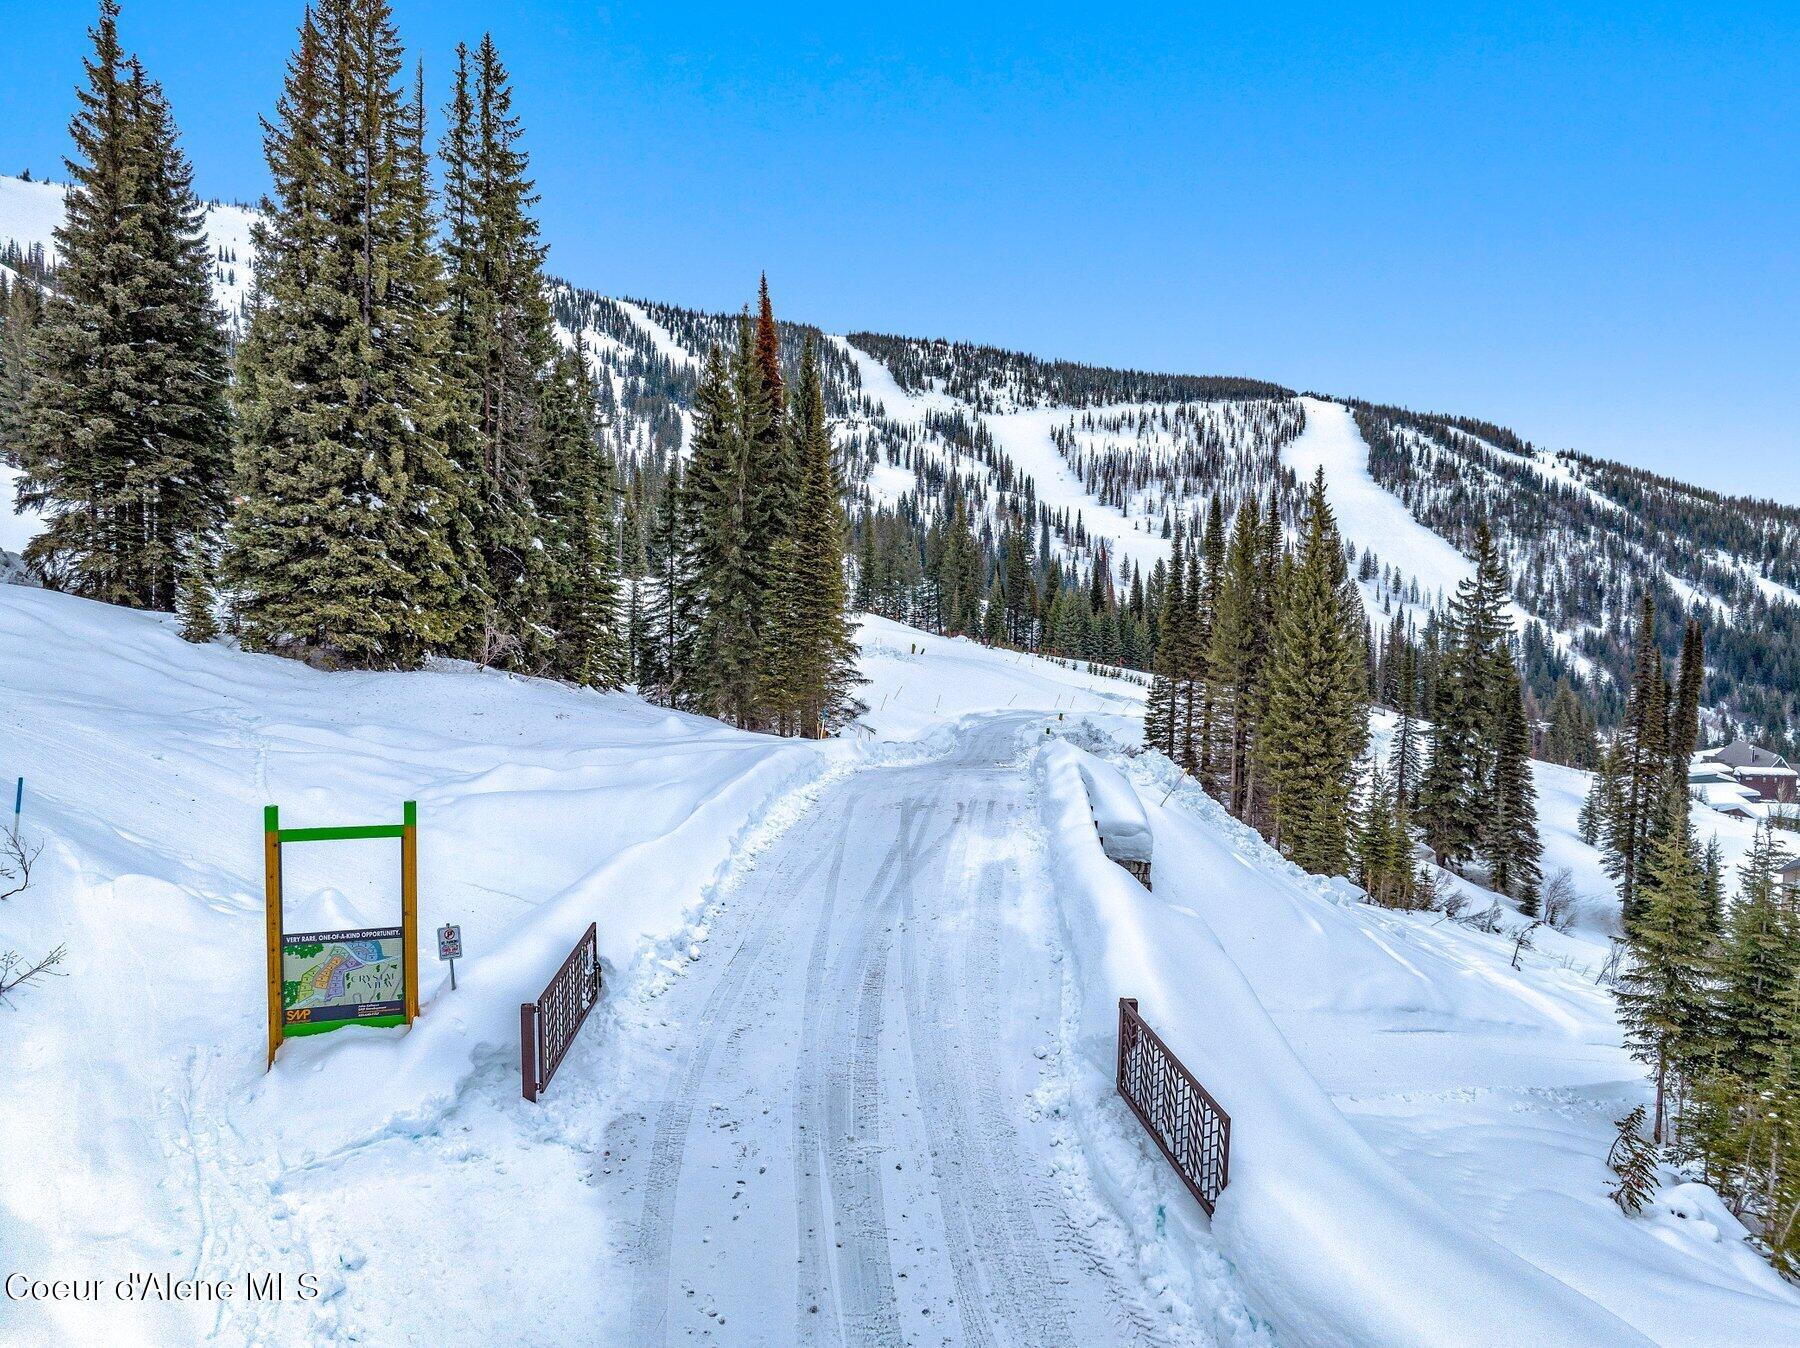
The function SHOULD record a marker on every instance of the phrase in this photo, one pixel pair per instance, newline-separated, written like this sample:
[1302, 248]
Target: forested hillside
[973, 473]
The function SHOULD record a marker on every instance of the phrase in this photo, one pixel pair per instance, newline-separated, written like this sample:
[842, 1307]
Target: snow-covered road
[842, 1137]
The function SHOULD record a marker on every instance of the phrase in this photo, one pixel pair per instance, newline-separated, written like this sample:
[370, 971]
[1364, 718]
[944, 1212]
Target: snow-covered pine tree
[343, 546]
[1161, 717]
[1570, 737]
[1758, 956]
[1189, 674]
[665, 671]
[1684, 711]
[1380, 847]
[21, 306]
[1212, 580]
[1712, 883]
[195, 603]
[729, 485]
[502, 352]
[1234, 665]
[1642, 762]
[1509, 833]
[1776, 1169]
[123, 428]
[1403, 758]
[1019, 591]
[1456, 787]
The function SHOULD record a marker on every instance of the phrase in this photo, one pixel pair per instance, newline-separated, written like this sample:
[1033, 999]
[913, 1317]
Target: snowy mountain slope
[17, 525]
[1114, 457]
[30, 213]
[1395, 1056]
[1367, 516]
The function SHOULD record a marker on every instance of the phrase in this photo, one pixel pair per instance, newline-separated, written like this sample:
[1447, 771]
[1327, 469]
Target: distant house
[1790, 879]
[1763, 770]
[1743, 780]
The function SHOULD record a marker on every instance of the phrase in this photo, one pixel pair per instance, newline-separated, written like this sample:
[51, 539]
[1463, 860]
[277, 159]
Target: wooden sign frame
[274, 836]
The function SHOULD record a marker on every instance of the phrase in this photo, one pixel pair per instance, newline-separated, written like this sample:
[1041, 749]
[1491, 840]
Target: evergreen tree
[1317, 719]
[1404, 757]
[1663, 995]
[1234, 658]
[1020, 594]
[573, 493]
[813, 655]
[1684, 715]
[1509, 832]
[667, 673]
[21, 307]
[1643, 766]
[123, 427]
[1570, 737]
[1633, 1162]
[345, 541]
[1380, 847]
[198, 624]
[1712, 883]
[1161, 712]
[502, 350]
[730, 485]
[1759, 955]
[1456, 788]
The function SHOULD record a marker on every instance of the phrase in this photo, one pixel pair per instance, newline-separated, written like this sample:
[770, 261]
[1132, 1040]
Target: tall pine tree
[1316, 721]
[344, 541]
[122, 425]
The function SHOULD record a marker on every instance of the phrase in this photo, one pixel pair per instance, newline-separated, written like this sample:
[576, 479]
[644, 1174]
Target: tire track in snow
[717, 1019]
[837, 1123]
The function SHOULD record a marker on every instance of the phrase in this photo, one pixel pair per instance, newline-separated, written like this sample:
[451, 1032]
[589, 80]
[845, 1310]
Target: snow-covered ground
[140, 1130]
[855, 1051]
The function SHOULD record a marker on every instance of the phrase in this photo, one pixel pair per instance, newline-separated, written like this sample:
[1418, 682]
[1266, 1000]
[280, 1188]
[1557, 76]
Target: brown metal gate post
[528, 1050]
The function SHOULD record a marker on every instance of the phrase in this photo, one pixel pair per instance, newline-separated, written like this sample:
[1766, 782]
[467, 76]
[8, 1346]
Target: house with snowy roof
[1743, 780]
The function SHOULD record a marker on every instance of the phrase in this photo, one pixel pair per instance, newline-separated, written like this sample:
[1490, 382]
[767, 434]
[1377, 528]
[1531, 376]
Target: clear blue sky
[1582, 223]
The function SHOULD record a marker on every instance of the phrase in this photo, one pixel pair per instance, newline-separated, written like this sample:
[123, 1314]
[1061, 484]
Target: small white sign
[449, 943]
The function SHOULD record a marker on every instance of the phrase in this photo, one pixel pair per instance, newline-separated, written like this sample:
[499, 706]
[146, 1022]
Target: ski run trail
[851, 1077]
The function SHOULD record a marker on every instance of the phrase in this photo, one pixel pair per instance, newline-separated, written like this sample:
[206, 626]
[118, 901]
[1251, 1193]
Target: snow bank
[1335, 1246]
[408, 1081]
[1118, 817]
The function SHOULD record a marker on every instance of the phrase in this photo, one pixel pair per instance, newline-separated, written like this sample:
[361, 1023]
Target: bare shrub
[16, 973]
[1558, 900]
[16, 859]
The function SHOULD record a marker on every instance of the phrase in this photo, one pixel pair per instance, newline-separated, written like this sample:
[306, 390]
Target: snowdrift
[1334, 1245]
[1118, 817]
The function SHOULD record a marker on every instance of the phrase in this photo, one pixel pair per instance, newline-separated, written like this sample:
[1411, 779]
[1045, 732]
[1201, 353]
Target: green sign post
[325, 980]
